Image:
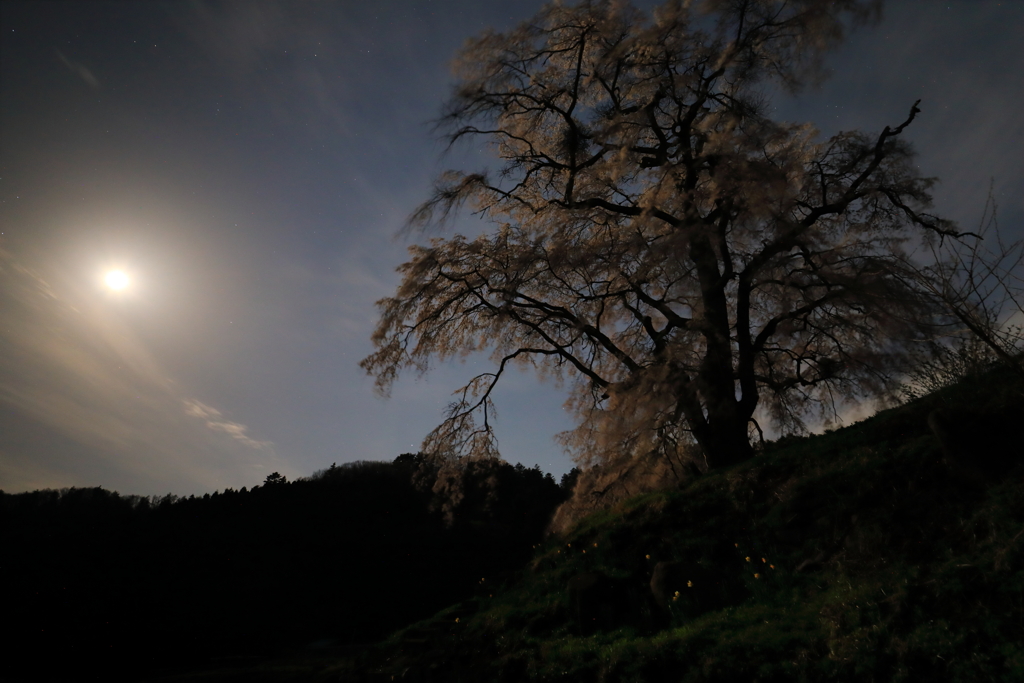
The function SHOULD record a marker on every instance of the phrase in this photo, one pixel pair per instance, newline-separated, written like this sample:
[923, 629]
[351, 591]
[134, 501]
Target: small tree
[275, 478]
[660, 244]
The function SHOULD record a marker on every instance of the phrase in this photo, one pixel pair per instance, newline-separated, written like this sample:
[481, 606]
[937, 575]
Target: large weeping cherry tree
[661, 247]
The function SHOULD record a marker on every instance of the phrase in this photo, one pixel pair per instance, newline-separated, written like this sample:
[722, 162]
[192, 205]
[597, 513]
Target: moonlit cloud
[215, 421]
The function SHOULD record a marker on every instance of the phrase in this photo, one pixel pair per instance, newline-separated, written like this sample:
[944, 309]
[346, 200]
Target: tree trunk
[722, 437]
[719, 427]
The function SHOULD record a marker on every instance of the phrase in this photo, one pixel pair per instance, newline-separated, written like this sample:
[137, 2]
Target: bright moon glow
[116, 279]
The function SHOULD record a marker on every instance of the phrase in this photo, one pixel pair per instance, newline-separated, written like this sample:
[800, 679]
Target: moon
[116, 279]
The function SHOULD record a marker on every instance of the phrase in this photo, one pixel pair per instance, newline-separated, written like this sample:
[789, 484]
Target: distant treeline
[95, 580]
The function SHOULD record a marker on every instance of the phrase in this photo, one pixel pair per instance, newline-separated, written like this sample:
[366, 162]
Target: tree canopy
[661, 245]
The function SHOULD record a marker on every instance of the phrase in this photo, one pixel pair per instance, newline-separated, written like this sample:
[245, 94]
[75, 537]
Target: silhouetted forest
[98, 581]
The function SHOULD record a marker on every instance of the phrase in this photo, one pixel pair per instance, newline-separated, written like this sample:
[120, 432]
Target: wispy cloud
[215, 421]
[80, 70]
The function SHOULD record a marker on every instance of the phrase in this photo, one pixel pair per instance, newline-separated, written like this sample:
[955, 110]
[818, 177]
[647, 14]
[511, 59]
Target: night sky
[249, 165]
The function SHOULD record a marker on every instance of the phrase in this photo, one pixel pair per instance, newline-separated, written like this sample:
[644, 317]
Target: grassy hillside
[877, 552]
